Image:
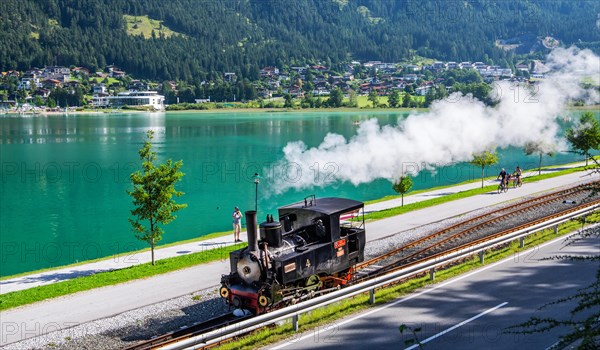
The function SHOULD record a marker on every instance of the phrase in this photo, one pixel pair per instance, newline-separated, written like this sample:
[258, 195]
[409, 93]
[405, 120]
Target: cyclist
[503, 176]
[517, 174]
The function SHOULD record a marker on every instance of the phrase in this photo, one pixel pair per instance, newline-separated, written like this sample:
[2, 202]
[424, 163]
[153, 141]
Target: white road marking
[458, 325]
[383, 307]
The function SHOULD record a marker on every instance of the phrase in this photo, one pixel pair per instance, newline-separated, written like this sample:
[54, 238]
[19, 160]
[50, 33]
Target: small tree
[403, 185]
[585, 136]
[336, 97]
[406, 100]
[484, 159]
[394, 99]
[288, 101]
[153, 191]
[373, 98]
[539, 148]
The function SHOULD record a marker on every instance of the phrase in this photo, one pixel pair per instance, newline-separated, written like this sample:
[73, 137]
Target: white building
[100, 100]
[138, 98]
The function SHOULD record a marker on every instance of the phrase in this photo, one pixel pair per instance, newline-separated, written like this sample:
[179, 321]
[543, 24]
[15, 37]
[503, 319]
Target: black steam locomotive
[310, 250]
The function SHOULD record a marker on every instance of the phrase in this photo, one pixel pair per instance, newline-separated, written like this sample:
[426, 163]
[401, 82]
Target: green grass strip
[327, 314]
[386, 213]
[102, 279]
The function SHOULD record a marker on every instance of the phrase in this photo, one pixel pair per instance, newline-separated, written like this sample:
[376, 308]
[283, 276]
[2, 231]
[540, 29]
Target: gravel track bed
[160, 318]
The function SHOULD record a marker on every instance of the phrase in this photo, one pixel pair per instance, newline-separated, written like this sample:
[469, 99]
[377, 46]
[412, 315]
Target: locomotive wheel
[224, 292]
[313, 281]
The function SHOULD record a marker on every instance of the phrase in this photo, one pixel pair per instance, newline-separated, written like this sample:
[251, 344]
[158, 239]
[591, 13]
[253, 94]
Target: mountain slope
[242, 35]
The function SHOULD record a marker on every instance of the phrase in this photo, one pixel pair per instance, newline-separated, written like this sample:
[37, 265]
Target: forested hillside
[217, 36]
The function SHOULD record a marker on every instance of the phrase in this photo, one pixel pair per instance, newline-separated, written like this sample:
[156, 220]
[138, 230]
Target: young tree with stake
[484, 159]
[403, 185]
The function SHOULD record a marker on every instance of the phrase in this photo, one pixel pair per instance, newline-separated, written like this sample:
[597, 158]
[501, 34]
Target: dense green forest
[241, 36]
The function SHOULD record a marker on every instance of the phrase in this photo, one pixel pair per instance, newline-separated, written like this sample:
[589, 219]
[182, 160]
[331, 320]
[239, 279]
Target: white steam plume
[451, 131]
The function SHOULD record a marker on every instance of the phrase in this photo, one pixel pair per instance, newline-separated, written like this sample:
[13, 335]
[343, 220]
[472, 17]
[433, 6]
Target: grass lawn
[363, 101]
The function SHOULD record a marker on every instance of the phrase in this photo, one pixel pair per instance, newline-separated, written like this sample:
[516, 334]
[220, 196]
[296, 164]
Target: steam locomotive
[310, 250]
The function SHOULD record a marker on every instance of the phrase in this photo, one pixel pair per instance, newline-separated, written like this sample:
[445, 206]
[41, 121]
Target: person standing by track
[237, 224]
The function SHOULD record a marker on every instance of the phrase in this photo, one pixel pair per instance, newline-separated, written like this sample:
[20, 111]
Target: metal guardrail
[367, 286]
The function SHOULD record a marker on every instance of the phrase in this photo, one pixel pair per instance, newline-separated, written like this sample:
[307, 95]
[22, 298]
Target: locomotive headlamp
[224, 292]
[263, 300]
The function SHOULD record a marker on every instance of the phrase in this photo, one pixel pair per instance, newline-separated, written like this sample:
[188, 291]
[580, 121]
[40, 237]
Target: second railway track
[479, 227]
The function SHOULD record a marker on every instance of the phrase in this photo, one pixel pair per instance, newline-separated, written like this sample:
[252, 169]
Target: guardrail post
[295, 322]
[372, 296]
[522, 242]
[432, 273]
[481, 257]
[555, 229]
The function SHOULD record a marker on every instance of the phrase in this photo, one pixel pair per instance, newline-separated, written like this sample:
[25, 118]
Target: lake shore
[253, 110]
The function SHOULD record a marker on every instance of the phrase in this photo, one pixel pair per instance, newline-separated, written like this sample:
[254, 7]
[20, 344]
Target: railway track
[188, 332]
[468, 232]
[477, 229]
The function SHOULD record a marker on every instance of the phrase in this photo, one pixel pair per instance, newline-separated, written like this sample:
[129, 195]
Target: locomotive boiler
[311, 249]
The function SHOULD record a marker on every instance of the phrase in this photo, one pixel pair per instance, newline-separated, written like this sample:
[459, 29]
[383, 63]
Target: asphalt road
[471, 311]
[64, 312]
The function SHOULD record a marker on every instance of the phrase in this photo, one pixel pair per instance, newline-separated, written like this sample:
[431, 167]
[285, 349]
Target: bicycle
[517, 182]
[503, 187]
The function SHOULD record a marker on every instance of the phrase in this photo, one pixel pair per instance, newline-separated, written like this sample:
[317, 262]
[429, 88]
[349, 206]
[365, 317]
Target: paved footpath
[70, 310]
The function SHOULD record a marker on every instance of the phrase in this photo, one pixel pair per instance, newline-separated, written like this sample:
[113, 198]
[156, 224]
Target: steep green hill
[217, 36]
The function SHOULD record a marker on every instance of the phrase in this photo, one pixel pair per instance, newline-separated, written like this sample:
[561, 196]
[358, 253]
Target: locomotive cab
[311, 249]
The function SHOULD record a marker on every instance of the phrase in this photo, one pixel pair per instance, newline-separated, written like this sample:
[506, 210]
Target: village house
[100, 100]
[51, 84]
[452, 65]
[44, 93]
[371, 64]
[99, 89]
[319, 68]
[269, 72]
[299, 70]
[62, 74]
[138, 85]
[412, 68]
[230, 77]
[438, 65]
[80, 71]
[117, 74]
[522, 67]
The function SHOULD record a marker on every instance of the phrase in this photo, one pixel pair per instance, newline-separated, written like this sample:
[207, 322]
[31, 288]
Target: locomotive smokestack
[251, 230]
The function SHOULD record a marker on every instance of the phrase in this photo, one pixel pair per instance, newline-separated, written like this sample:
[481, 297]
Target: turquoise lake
[64, 178]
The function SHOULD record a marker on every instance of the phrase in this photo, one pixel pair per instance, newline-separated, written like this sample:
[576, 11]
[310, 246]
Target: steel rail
[404, 272]
[500, 234]
[445, 240]
[187, 332]
[500, 215]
